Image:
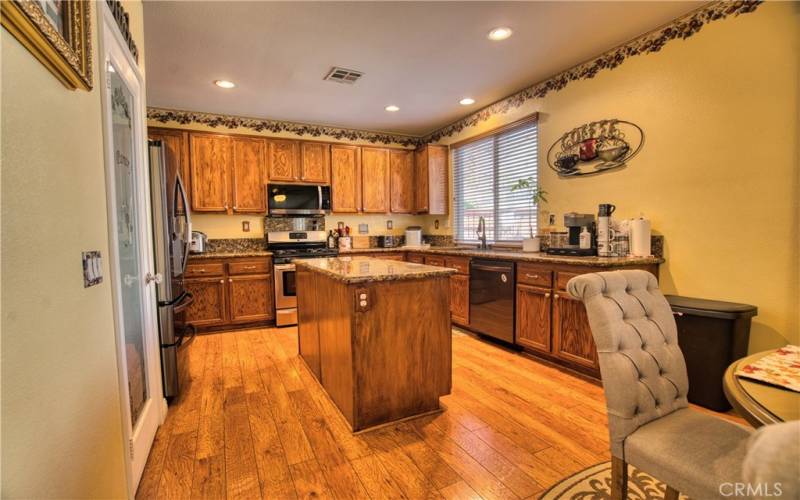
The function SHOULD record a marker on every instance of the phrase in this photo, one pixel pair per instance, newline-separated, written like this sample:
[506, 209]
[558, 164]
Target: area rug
[595, 483]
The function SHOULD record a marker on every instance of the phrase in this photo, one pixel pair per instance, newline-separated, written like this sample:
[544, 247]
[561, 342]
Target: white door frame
[137, 440]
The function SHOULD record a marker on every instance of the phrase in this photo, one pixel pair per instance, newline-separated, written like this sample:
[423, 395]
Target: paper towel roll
[640, 237]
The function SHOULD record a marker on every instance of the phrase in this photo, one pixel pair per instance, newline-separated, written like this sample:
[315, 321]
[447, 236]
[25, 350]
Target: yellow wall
[718, 174]
[61, 421]
[230, 226]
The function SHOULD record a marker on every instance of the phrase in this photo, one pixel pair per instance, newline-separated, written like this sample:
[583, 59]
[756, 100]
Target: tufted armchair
[645, 383]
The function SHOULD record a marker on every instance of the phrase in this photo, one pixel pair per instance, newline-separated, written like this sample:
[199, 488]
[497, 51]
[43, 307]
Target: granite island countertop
[518, 256]
[362, 269]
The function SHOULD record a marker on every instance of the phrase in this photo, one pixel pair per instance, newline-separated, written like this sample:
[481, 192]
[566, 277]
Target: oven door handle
[284, 267]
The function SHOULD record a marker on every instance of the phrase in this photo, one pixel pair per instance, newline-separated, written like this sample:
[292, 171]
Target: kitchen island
[376, 335]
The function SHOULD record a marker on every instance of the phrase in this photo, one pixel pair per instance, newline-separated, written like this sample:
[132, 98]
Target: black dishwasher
[491, 298]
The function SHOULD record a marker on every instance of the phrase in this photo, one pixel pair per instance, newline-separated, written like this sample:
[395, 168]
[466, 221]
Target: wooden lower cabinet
[241, 293]
[250, 298]
[533, 317]
[573, 337]
[416, 258]
[208, 308]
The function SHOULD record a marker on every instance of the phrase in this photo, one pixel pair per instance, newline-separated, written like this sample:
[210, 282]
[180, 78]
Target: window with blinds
[483, 172]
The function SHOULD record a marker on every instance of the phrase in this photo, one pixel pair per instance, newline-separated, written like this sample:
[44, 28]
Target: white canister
[531, 244]
[345, 242]
[640, 237]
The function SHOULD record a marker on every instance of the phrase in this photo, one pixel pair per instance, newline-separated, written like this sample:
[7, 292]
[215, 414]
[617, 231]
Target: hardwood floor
[252, 422]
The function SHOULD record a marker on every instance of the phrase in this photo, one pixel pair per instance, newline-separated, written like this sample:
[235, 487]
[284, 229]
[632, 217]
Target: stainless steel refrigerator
[172, 234]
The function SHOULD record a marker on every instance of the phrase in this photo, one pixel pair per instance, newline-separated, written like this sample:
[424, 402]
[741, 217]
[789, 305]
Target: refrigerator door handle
[188, 236]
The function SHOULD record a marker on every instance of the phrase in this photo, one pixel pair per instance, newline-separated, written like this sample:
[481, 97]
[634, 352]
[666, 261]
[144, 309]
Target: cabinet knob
[230, 280]
[200, 270]
[546, 294]
[556, 295]
[234, 207]
[222, 281]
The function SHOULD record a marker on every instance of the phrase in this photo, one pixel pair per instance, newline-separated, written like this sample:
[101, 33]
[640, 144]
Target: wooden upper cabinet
[210, 165]
[175, 144]
[401, 171]
[284, 160]
[431, 171]
[315, 164]
[345, 179]
[375, 180]
[248, 194]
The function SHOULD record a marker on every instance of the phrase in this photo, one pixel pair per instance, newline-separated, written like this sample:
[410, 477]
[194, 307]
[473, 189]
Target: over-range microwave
[298, 200]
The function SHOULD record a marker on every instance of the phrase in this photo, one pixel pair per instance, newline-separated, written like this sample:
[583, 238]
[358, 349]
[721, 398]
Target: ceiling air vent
[343, 75]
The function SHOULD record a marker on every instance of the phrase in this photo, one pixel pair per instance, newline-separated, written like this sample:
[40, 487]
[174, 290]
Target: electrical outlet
[363, 229]
[389, 224]
[246, 226]
[552, 220]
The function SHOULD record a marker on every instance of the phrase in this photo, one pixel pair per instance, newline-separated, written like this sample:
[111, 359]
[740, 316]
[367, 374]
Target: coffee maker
[575, 222]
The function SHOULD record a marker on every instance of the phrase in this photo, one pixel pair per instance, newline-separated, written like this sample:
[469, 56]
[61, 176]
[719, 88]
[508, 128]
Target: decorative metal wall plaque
[595, 148]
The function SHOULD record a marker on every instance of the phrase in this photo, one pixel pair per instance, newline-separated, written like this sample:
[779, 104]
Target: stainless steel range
[285, 247]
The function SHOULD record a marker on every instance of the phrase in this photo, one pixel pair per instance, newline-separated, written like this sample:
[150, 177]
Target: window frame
[510, 127]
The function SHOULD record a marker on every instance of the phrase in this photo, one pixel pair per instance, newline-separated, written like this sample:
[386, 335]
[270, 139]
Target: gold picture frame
[57, 33]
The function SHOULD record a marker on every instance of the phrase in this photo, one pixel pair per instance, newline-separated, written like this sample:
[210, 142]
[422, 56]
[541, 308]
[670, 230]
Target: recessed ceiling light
[466, 101]
[392, 108]
[498, 34]
[225, 84]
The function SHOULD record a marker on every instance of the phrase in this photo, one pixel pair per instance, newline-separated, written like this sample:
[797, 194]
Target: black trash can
[712, 335]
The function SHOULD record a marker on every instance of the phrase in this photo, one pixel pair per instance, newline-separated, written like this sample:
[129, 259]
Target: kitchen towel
[640, 237]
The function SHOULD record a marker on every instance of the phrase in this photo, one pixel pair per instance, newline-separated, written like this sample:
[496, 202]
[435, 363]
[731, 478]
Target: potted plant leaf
[536, 195]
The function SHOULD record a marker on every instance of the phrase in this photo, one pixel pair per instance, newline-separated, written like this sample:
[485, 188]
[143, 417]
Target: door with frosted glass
[131, 248]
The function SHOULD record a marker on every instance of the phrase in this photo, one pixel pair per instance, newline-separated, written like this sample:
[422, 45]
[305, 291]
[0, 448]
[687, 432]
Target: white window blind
[483, 173]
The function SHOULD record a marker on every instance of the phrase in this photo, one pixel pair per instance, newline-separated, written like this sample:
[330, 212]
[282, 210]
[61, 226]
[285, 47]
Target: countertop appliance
[172, 233]
[285, 247]
[575, 222]
[413, 236]
[491, 298]
[388, 241]
[298, 200]
[199, 242]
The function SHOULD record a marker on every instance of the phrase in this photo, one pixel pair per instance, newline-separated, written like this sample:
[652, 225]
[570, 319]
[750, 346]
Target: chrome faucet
[481, 231]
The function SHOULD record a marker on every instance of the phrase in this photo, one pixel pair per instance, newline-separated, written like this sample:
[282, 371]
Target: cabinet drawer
[434, 261]
[250, 267]
[460, 264]
[530, 274]
[200, 269]
[390, 256]
[416, 258]
[563, 277]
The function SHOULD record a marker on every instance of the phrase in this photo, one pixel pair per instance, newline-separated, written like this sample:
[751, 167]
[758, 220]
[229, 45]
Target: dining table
[758, 402]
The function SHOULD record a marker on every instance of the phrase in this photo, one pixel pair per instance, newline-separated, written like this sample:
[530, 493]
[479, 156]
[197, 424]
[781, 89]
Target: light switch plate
[246, 226]
[92, 268]
[389, 224]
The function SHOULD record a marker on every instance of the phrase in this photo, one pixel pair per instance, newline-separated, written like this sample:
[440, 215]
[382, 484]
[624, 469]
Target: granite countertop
[520, 256]
[226, 254]
[357, 269]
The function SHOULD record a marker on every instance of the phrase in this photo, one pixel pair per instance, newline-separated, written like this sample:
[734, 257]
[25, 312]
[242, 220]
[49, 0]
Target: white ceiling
[422, 56]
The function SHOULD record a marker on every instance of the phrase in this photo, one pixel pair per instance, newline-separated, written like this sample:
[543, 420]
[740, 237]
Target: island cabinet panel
[401, 168]
[209, 306]
[388, 345]
[334, 308]
[210, 168]
[533, 317]
[175, 144]
[374, 180]
[434, 260]
[250, 298]
[307, 324]
[573, 340]
[249, 157]
[284, 160]
[459, 299]
[315, 164]
[345, 179]
[431, 178]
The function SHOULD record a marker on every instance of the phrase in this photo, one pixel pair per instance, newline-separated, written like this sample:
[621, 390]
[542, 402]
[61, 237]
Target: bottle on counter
[331, 239]
[585, 238]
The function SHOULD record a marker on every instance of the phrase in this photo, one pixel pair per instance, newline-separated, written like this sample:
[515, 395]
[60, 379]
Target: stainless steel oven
[285, 295]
